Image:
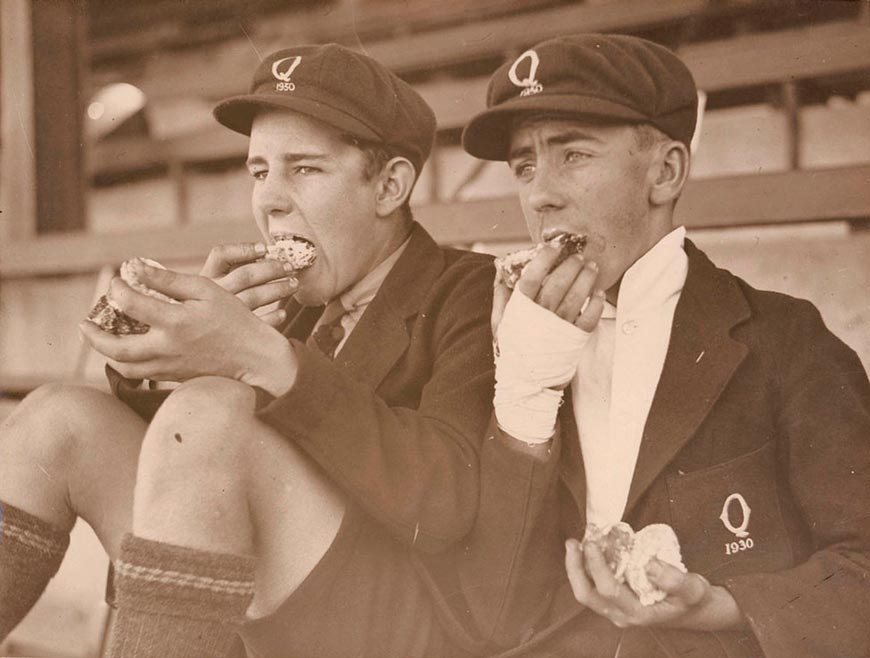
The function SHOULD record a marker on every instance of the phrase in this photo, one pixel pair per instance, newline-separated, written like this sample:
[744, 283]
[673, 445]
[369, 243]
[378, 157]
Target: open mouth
[299, 252]
[569, 243]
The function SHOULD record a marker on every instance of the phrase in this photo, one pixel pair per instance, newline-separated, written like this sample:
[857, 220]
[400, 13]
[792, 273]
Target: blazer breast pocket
[728, 518]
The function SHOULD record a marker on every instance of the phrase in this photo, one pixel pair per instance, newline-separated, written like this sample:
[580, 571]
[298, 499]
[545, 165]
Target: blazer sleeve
[512, 562]
[820, 607]
[415, 470]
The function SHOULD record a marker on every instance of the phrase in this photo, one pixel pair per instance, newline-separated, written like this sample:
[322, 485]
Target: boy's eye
[524, 171]
[306, 170]
[259, 174]
[575, 156]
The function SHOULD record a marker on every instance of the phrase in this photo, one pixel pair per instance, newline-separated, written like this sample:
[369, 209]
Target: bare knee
[52, 446]
[50, 426]
[190, 483]
[205, 409]
[201, 399]
[197, 433]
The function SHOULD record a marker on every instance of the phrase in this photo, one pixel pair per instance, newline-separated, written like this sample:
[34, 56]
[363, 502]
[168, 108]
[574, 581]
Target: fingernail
[293, 282]
[282, 314]
[289, 268]
[260, 249]
[592, 265]
[653, 568]
[599, 294]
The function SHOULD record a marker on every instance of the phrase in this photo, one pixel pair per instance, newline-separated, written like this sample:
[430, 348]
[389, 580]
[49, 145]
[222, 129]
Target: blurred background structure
[108, 150]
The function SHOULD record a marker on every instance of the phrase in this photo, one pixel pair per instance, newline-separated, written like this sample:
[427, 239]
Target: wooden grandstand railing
[788, 197]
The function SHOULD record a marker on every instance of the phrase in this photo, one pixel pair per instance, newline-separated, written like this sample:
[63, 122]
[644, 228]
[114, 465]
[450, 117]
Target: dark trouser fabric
[364, 598]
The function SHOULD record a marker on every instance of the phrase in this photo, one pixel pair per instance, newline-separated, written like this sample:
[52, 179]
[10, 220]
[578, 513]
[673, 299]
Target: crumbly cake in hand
[298, 252]
[106, 314]
[510, 266]
[628, 553]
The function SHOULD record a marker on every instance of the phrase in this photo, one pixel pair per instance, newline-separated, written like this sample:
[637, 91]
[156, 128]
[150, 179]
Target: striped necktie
[329, 333]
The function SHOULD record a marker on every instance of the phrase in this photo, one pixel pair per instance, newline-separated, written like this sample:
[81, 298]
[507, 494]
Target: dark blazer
[757, 399]
[396, 420]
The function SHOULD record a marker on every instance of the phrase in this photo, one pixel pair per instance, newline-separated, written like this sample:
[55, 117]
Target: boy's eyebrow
[573, 135]
[565, 137]
[520, 152]
[289, 158]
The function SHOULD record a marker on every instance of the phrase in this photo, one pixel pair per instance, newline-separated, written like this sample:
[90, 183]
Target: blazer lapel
[701, 359]
[381, 335]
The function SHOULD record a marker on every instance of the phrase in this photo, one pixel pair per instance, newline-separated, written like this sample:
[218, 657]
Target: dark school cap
[342, 88]
[617, 78]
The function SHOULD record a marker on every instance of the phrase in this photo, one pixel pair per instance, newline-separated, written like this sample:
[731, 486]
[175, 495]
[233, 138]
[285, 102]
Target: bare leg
[214, 479]
[65, 451]
[70, 451]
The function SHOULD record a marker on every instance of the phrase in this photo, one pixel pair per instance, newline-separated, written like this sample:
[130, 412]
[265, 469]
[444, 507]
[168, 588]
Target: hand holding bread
[638, 579]
[258, 276]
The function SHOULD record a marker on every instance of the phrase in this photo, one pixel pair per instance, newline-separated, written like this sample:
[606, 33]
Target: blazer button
[629, 327]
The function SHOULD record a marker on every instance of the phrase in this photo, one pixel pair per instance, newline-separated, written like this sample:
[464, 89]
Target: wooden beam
[131, 153]
[780, 56]
[226, 68]
[131, 31]
[54, 255]
[58, 37]
[17, 155]
[794, 196]
[788, 197]
[492, 38]
[755, 59]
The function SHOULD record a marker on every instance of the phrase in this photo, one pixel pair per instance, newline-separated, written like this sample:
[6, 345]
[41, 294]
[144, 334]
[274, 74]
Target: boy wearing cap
[305, 488]
[687, 397]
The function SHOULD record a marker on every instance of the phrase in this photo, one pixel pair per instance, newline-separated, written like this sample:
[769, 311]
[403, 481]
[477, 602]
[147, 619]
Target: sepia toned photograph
[434, 328]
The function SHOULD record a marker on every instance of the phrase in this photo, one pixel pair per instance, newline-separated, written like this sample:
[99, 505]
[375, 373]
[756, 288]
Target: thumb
[688, 587]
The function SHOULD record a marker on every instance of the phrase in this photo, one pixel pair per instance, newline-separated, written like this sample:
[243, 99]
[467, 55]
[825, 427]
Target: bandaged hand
[540, 329]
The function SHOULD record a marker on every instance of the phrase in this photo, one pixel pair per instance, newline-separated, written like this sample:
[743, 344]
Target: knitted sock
[176, 602]
[31, 551]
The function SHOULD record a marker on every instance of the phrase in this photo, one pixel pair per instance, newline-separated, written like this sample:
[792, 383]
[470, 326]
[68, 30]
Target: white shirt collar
[652, 278]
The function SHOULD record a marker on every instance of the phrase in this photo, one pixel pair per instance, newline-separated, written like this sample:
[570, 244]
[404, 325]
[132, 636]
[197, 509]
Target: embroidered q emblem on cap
[529, 84]
[283, 77]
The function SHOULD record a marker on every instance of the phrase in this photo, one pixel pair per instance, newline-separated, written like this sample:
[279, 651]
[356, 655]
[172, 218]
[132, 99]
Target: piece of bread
[106, 314]
[298, 252]
[510, 266]
[628, 553]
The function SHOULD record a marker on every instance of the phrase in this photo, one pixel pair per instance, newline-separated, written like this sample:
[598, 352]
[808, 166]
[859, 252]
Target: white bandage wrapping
[537, 356]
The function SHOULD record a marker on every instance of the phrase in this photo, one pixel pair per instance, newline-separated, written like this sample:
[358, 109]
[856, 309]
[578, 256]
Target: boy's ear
[394, 186]
[670, 170]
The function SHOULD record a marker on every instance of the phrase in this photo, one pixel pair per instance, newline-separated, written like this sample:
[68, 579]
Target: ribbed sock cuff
[160, 578]
[31, 551]
[28, 539]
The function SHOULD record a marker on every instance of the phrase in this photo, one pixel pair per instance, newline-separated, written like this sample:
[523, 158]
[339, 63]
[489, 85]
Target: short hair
[376, 156]
[647, 135]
